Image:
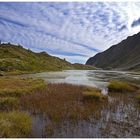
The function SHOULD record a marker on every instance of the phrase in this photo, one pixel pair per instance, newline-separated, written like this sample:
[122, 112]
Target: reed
[62, 102]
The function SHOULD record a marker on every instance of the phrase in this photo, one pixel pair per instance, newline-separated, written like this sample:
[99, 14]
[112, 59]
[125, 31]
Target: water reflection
[94, 78]
[118, 117]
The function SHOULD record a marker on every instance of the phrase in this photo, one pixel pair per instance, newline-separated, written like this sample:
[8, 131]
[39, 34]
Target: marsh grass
[9, 103]
[49, 129]
[14, 124]
[93, 94]
[121, 86]
[61, 102]
[15, 87]
[138, 96]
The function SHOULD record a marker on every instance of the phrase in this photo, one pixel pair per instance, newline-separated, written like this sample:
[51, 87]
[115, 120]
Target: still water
[93, 78]
[118, 117]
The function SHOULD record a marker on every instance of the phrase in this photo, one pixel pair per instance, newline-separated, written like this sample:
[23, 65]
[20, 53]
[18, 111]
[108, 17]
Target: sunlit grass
[93, 94]
[14, 124]
[11, 86]
[121, 86]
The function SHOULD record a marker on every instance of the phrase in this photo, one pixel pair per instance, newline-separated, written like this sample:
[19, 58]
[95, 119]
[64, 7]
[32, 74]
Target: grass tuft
[14, 124]
[121, 86]
[93, 94]
[9, 103]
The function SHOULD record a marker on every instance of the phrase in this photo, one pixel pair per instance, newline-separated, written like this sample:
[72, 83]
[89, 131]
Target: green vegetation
[10, 86]
[93, 94]
[85, 67]
[121, 86]
[14, 124]
[9, 103]
[138, 98]
[17, 60]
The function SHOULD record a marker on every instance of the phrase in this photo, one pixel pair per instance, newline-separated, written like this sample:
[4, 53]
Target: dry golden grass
[62, 102]
[93, 94]
[10, 86]
[14, 124]
[9, 103]
[121, 86]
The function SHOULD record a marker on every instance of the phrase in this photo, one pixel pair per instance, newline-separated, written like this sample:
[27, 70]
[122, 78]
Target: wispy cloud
[74, 31]
[136, 22]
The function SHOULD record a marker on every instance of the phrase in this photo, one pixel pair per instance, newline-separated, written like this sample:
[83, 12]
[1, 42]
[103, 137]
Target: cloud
[73, 30]
[136, 22]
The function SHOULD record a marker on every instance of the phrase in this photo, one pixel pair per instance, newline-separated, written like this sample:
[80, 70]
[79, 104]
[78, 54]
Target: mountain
[16, 59]
[123, 56]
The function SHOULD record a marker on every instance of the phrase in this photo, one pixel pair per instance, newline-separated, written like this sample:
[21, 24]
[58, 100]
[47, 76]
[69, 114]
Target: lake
[118, 117]
[93, 78]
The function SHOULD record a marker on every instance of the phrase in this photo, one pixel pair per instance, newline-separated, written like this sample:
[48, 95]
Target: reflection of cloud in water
[94, 78]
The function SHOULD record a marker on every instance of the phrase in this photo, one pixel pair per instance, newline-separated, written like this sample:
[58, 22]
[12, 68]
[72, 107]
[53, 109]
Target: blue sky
[73, 30]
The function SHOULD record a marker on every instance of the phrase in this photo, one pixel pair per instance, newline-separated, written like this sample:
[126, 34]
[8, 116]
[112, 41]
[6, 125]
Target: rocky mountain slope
[122, 56]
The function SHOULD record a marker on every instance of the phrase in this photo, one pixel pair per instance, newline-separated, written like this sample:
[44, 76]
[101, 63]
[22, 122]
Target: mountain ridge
[122, 56]
[15, 59]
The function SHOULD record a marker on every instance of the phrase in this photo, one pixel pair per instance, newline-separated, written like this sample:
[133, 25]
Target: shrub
[14, 124]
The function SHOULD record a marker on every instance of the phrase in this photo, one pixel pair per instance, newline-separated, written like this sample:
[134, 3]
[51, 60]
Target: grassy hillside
[16, 59]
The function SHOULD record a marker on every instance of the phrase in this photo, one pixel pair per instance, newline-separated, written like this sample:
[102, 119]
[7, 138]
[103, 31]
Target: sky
[71, 30]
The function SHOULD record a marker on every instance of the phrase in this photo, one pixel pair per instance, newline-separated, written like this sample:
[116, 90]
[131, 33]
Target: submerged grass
[10, 86]
[121, 86]
[14, 124]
